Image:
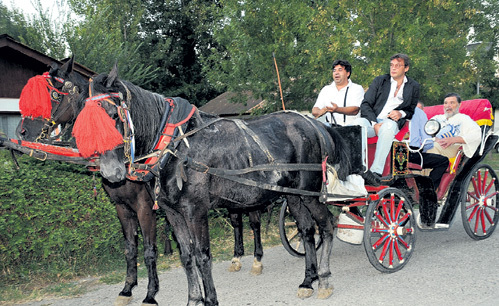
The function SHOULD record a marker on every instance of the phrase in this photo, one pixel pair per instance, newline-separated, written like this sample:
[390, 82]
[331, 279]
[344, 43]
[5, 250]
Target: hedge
[50, 216]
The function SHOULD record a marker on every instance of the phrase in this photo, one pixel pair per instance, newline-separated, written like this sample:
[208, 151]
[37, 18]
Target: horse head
[48, 102]
[103, 127]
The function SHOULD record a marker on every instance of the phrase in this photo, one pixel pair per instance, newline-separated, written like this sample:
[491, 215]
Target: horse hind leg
[326, 222]
[255, 223]
[306, 227]
[236, 220]
[185, 243]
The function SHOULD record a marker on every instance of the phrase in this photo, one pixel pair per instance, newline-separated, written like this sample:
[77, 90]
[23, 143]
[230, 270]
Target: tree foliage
[307, 36]
[198, 48]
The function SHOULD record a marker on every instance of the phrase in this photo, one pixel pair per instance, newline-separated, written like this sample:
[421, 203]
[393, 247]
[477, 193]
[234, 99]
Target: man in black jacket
[388, 103]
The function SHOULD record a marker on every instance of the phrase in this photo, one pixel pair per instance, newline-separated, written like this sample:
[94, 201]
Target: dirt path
[447, 268]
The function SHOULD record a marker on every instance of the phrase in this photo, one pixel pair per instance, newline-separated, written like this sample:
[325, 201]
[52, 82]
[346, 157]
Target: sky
[27, 5]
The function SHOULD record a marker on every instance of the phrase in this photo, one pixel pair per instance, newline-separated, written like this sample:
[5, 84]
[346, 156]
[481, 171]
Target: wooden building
[19, 63]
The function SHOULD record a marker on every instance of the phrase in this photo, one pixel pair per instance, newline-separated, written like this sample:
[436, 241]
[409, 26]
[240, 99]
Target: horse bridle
[56, 96]
[123, 114]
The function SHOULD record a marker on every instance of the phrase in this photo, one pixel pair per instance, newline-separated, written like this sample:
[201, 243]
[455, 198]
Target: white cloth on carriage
[352, 187]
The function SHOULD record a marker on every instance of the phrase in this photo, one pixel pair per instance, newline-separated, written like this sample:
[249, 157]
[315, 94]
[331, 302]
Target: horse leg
[168, 250]
[186, 247]
[129, 226]
[325, 221]
[147, 221]
[236, 220]
[198, 225]
[306, 225]
[254, 217]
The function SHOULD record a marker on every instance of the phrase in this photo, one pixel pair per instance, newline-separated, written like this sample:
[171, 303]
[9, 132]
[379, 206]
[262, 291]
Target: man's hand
[448, 141]
[395, 115]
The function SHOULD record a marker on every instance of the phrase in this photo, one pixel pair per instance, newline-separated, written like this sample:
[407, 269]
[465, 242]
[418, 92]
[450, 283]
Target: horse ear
[68, 66]
[112, 76]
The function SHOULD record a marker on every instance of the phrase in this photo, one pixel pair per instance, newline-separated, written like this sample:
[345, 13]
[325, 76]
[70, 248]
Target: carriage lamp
[432, 127]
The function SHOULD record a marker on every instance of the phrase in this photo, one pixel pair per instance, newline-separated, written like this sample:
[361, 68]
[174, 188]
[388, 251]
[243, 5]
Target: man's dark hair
[345, 65]
[403, 57]
[453, 94]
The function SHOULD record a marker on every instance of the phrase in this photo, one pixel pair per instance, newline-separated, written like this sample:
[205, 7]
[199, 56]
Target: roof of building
[225, 104]
[7, 41]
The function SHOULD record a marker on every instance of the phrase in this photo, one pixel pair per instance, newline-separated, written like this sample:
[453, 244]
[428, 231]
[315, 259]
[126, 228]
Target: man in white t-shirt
[459, 130]
[340, 100]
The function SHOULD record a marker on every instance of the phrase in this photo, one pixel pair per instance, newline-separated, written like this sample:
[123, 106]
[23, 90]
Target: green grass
[492, 159]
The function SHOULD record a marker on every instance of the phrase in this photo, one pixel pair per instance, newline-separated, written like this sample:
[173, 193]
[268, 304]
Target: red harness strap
[163, 142]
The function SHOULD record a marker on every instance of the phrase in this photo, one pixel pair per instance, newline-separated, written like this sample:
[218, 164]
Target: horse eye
[114, 116]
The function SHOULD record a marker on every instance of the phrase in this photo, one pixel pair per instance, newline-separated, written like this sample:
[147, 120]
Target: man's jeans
[386, 134]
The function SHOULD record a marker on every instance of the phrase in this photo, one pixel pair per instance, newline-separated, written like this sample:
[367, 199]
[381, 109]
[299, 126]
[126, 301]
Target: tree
[176, 34]
[108, 33]
[40, 31]
[307, 36]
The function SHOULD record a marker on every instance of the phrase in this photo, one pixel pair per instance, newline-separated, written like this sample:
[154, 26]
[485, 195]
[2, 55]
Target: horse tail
[340, 154]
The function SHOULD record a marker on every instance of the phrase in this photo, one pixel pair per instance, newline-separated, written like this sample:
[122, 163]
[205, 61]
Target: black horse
[218, 163]
[134, 200]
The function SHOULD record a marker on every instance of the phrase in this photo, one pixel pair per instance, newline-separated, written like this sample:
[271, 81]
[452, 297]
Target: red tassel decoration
[95, 132]
[35, 98]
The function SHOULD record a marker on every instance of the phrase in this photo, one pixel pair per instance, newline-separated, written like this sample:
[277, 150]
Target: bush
[50, 218]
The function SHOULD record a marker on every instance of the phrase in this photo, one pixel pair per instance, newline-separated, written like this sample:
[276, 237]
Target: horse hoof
[257, 267]
[122, 300]
[324, 293]
[304, 293]
[235, 265]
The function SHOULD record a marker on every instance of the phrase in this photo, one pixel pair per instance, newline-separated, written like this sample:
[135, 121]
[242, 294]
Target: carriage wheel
[479, 208]
[290, 235]
[389, 231]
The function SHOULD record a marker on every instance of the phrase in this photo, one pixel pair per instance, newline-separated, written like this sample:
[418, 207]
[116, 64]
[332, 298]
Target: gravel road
[447, 268]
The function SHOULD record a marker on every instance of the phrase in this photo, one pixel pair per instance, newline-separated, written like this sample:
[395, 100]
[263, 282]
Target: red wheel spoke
[486, 213]
[483, 221]
[477, 221]
[397, 251]
[381, 219]
[403, 242]
[392, 207]
[385, 248]
[479, 181]
[380, 241]
[392, 242]
[399, 209]
[484, 180]
[473, 180]
[403, 219]
[473, 196]
[492, 183]
[385, 211]
[473, 213]
[490, 196]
